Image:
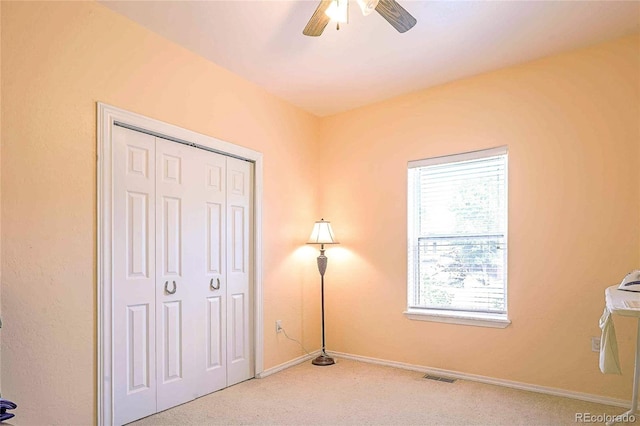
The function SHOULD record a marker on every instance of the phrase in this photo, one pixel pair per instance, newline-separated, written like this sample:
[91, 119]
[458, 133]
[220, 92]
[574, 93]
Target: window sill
[455, 317]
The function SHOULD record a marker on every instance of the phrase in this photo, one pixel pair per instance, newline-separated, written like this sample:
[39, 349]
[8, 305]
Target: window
[457, 217]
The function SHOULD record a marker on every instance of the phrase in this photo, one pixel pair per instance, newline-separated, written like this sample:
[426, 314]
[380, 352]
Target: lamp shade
[322, 233]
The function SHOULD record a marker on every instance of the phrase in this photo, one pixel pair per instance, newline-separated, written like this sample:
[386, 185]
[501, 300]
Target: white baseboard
[490, 380]
[284, 366]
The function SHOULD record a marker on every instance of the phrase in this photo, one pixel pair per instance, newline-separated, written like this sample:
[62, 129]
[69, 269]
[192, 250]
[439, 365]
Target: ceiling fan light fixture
[367, 6]
[338, 11]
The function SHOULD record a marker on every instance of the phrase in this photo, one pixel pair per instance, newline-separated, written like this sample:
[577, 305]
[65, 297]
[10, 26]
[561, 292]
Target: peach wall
[572, 125]
[58, 60]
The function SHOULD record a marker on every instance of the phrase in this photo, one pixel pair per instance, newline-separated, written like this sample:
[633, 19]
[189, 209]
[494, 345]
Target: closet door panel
[238, 251]
[238, 296]
[138, 355]
[210, 306]
[175, 282]
[214, 355]
[238, 347]
[172, 234]
[215, 229]
[172, 351]
[133, 274]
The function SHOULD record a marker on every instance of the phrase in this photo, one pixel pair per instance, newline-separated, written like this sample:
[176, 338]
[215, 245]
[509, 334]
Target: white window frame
[472, 318]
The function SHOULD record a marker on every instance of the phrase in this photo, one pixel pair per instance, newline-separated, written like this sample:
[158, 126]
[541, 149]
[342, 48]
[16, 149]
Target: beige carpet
[355, 393]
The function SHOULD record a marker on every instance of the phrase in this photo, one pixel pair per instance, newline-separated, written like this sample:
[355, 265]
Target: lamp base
[323, 359]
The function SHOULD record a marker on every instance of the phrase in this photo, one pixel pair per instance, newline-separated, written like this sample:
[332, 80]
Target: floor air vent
[439, 379]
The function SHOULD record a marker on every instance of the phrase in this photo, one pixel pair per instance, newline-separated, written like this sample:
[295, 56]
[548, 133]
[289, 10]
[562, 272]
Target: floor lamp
[322, 234]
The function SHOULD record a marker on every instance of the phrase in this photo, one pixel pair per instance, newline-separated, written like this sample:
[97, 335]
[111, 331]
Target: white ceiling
[367, 60]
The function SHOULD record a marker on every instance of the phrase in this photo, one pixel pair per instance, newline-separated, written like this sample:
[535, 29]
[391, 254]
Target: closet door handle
[166, 287]
[212, 287]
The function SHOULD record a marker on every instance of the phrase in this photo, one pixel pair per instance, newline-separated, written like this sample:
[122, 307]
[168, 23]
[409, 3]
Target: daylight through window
[457, 216]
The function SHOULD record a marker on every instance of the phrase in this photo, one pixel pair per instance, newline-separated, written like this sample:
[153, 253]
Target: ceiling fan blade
[396, 15]
[318, 21]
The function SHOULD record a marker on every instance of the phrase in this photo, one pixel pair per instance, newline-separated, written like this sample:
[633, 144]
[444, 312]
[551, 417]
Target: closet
[182, 227]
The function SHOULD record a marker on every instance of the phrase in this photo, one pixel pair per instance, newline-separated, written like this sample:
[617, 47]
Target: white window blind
[457, 217]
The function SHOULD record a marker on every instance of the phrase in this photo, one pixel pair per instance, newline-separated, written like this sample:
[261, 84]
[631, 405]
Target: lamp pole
[322, 234]
[323, 358]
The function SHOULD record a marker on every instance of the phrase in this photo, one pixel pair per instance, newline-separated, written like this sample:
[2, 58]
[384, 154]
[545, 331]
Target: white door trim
[107, 116]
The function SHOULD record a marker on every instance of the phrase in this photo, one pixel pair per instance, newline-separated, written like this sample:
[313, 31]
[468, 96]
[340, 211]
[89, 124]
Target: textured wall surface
[58, 60]
[572, 125]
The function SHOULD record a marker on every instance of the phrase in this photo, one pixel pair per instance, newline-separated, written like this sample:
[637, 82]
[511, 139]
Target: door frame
[107, 117]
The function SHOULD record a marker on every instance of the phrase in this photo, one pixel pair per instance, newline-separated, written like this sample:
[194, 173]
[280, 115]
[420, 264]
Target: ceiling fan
[338, 10]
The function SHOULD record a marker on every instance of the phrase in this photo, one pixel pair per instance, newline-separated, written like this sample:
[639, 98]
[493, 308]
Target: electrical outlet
[595, 344]
[278, 326]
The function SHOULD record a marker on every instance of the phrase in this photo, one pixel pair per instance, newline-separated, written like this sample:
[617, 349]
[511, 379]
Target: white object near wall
[181, 282]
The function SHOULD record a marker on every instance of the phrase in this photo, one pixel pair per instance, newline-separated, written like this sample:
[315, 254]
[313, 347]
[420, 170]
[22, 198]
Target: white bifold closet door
[181, 247]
